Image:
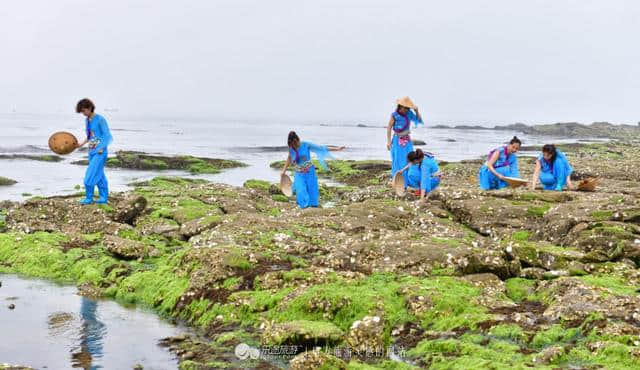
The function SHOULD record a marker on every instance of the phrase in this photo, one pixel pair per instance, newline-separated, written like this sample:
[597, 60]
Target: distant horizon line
[355, 122]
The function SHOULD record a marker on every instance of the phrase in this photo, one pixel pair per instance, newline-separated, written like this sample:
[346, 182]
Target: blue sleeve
[513, 165]
[414, 117]
[562, 169]
[106, 138]
[425, 177]
[435, 167]
[321, 152]
[429, 167]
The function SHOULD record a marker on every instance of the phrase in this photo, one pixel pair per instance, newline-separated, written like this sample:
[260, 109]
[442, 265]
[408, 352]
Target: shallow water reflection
[52, 327]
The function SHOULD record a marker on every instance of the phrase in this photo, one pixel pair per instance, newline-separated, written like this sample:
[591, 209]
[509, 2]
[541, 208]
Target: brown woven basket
[398, 184]
[588, 184]
[63, 143]
[515, 182]
[285, 185]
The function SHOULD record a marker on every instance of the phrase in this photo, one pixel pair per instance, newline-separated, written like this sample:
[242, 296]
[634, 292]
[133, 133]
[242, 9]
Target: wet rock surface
[4, 181]
[510, 278]
[143, 161]
[564, 129]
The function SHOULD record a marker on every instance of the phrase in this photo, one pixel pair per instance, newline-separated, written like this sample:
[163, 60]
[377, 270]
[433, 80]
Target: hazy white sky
[338, 60]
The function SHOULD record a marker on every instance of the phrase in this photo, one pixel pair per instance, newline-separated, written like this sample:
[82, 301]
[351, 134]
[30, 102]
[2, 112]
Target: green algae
[519, 289]
[538, 211]
[384, 365]
[257, 184]
[299, 330]
[602, 215]
[467, 353]
[614, 284]
[280, 198]
[40, 255]
[194, 165]
[4, 181]
[296, 274]
[521, 235]
[154, 164]
[509, 332]
[556, 334]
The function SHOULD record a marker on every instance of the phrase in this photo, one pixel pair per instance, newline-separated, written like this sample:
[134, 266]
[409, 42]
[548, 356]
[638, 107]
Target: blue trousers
[95, 176]
[550, 182]
[434, 182]
[399, 158]
[489, 181]
[306, 188]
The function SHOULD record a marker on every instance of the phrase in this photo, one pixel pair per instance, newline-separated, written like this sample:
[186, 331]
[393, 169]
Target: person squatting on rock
[400, 144]
[501, 162]
[99, 138]
[553, 170]
[423, 173]
[305, 182]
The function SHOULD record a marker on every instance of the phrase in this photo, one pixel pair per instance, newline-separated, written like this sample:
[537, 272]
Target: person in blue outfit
[99, 137]
[423, 173]
[92, 334]
[399, 143]
[553, 170]
[501, 162]
[305, 181]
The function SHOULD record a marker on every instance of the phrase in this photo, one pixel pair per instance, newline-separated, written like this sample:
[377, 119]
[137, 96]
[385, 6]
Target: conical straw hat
[285, 185]
[63, 142]
[406, 102]
[398, 184]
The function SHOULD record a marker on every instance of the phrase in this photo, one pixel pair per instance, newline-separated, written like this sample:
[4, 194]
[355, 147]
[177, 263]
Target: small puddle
[51, 327]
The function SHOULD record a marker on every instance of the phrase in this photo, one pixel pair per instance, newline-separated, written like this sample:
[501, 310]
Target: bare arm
[286, 164]
[80, 145]
[492, 161]
[389, 127]
[569, 183]
[334, 148]
[536, 174]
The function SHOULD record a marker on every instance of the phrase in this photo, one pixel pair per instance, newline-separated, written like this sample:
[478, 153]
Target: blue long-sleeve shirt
[303, 154]
[423, 172]
[98, 128]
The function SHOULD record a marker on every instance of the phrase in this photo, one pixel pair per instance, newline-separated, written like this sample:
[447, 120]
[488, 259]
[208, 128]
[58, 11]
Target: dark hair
[292, 138]
[551, 149]
[515, 140]
[85, 104]
[415, 155]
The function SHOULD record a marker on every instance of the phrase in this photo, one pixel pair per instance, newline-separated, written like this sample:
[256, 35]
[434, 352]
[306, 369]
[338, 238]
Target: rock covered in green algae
[315, 360]
[5, 366]
[313, 333]
[353, 173]
[6, 181]
[366, 334]
[125, 248]
[143, 161]
[230, 259]
[129, 209]
[41, 158]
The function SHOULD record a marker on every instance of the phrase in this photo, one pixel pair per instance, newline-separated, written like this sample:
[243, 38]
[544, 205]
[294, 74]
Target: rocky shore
[473, 279]
[603, 130]
[143, 161]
